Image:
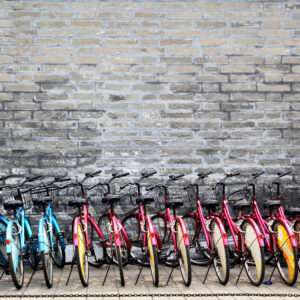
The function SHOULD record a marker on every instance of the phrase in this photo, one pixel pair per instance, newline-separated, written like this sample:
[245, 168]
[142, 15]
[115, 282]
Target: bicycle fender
[151, 230]
[8, 241]
[55, 224]
[257, 231]
[41, 234]
[75, 231]
[184, 232]
[222, 229]
[116, 232]
[289, 231]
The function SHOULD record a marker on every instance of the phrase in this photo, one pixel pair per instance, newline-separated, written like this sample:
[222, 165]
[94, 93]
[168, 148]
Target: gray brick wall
[176, 86]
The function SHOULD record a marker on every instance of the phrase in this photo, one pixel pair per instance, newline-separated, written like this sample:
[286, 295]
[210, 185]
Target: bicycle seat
[111, 199]
[210, 204]
[144, 200]
[174, 204]
[272, 204]
[292, 211]
[77, 202]
[241, 205]
[12, 205]
[41, 201]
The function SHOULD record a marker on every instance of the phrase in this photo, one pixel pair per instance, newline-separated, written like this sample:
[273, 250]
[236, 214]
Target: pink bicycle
[209, 243]
[170, 225]
[142, 233]
[246, 244]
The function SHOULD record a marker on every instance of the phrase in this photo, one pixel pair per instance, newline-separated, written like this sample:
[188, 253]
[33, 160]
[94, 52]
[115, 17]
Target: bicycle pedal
[102, 240]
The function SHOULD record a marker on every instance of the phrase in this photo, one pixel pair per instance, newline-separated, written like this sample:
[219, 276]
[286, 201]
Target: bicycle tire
[153, 259]
[120, 264]
[221, 261]
[288, 260]
[16, 267]
[198, 254]
[59, 254]
[4, 258]
[296, 229]
[183, 253]
[255, 262]
[81, 256]
[131, 226]
[46, 257]
[33, 256]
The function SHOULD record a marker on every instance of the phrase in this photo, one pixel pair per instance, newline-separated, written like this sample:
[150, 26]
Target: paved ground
[112, 286]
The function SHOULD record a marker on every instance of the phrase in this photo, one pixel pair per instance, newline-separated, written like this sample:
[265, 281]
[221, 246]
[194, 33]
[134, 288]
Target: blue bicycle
[20, 242]
[50, 237]
[3, 226]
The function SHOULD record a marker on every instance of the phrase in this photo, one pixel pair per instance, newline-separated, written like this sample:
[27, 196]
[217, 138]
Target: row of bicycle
[208, 235]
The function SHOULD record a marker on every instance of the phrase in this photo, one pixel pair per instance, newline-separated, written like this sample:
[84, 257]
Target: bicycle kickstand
[30, 278]
[109, 263]
[141, 269]
[269, 282]
[2, 275]
[242, 268]
[173, 267]
[72, 265]
[210, 264]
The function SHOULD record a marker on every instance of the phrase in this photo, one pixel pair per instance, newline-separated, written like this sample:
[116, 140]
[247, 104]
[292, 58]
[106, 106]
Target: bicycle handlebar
[31, 179]
[92, 174]
[203, 175]
[120, 175]
[175, 177]
[280, 174]
[146, 175]
[256, 175]
[5, 177]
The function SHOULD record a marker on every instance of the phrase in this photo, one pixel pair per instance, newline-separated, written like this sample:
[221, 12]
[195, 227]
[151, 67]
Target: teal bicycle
[50, 238]
[20, 242]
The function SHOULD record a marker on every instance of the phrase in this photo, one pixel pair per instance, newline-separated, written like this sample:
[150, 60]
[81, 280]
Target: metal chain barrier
[152, 295]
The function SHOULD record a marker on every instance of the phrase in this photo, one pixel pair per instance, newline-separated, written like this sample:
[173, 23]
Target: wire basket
[290, 197]
[9, 194]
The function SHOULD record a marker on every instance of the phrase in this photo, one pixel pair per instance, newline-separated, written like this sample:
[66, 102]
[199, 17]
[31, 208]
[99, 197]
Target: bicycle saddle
[272, 204]
[12, 205]
[144, 200]
[41, 201]
[292, 211]
[111, 199]
[174, 204]
[210, 204]
[241, 205]
[77, 202]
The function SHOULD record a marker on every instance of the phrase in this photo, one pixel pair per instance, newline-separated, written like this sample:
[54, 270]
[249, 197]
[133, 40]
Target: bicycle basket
[290, 196]
[8, 195]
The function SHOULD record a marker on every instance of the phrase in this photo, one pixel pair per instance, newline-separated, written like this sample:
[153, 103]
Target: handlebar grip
[5, 177]
[96, 173]
[173, 177]
[124, 186]
[235, 174]
[30, 179]
[146, 175]
[258, 174]
[150, 188]
[284, 174]
[120, 175]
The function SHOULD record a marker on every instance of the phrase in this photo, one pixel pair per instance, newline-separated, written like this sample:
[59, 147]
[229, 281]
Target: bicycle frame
[50, 218]
[203, 224]
[239, 241]
[171, 220]
[22, 222]
[86, 217]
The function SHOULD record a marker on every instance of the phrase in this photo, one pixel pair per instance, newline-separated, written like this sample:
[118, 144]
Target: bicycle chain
[152, 295]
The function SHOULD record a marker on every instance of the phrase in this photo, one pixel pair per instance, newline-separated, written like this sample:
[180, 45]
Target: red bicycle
[278, 236]
[246, 244]
[142, 233]
[208, 235]
[84, 229]
[171, 226]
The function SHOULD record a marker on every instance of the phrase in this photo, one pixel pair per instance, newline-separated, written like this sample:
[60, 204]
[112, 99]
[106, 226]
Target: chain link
[151, 295]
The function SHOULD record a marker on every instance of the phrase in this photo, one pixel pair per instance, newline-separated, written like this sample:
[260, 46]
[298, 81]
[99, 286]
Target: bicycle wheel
[46, 257]
[153, 259]
[15, 259]
[198, 245]
[221, 258]
[183, 254]
[119, 263]
[288, 259]
[31, 254]
[131, 226]
[3, 255]
[81, 256]
[96, 252]
[255, 262]
[58, 254]
[297, 234]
